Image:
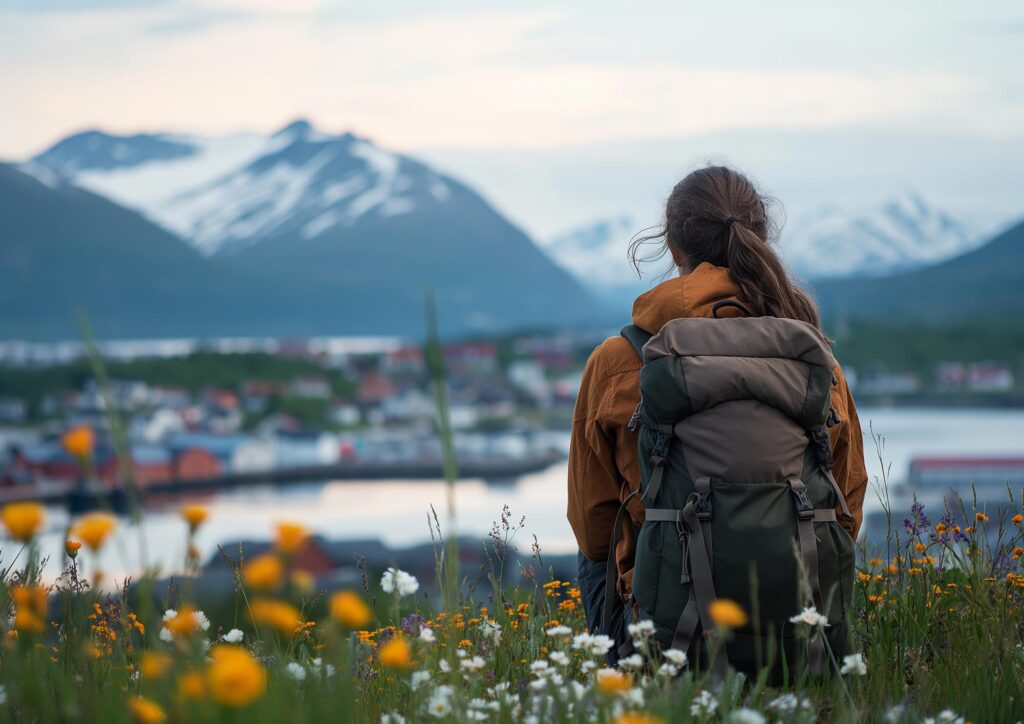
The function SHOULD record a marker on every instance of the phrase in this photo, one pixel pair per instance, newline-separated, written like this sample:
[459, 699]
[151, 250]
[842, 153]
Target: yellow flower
[290, 537]
[941, 528]
[79, 441]
[71, 547]
[146, 711]
[154, 664]
[1018, 552]
[194, 515]
[349, 609]
[234, 677]
[875, 562]
[920, 548]
[22, 520]
[263, 573]
[395, 654]
[94, 529]
[277, 614]
[612, 681]
[637, 717]
[191, 685]
[727, 613]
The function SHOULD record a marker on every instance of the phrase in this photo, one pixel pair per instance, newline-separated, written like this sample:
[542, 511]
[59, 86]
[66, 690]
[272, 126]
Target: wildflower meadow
[938, 620]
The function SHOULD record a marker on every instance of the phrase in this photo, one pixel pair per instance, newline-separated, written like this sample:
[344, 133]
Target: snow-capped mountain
[303, 232]
[224, 193]
[902, 234]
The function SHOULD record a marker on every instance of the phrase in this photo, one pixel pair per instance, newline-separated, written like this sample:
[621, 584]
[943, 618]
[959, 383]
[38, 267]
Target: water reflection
[396, 512]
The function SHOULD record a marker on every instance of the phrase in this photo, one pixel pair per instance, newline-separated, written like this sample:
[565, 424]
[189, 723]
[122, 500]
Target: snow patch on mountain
[898, 235]
[228, 192]
[596, 254]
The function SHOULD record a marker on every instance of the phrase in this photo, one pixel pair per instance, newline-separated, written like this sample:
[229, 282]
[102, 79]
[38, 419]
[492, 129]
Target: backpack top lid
[693, 364]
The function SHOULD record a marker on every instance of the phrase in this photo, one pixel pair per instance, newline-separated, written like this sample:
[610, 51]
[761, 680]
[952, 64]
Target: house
[470, 357]
[13, 410]
[312, 387]
[950, 377]
[156, 425]
[344, 414]
[194, 463]
[405, 361]
[303, 448]
[989, 377]
[374, 388]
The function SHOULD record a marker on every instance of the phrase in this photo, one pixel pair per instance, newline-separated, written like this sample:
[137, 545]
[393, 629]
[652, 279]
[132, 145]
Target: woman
[717, 231]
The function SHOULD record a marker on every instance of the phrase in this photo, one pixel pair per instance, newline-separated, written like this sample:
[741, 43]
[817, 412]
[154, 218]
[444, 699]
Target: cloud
[519, 77]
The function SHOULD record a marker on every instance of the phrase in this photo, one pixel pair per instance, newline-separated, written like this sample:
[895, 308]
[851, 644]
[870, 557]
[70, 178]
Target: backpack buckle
[804, 507]
[703, 507]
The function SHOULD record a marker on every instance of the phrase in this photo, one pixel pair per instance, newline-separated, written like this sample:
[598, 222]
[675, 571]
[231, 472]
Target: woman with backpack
[739, 445]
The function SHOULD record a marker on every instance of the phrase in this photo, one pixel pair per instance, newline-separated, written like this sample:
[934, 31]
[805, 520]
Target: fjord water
[396, 512]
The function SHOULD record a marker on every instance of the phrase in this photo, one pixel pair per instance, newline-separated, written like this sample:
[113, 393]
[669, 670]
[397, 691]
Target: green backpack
[735, 462]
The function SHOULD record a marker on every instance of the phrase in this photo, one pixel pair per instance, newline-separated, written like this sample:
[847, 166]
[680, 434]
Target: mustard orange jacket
[603, 467]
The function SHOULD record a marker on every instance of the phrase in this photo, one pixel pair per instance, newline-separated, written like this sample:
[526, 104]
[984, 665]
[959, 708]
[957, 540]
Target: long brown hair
[716, 215]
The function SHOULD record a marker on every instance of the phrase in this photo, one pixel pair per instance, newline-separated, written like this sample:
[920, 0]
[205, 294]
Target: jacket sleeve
[848, 452]
[594, 480]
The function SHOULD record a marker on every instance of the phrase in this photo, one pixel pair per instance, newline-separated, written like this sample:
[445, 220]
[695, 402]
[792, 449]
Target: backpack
[736, 482]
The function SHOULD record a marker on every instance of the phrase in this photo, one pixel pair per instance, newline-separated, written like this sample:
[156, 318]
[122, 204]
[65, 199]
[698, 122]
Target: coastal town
[217, 411]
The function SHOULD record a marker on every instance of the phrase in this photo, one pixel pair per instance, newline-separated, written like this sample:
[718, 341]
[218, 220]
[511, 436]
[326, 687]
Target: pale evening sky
[482, 85]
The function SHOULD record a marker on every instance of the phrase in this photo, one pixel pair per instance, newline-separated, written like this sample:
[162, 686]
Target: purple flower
[918, 521]
[412, 623]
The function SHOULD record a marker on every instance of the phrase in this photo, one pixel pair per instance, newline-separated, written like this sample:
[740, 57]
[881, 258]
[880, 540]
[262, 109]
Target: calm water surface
[397, 511]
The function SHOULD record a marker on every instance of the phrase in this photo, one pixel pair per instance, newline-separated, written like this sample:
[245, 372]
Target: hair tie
[731, 220]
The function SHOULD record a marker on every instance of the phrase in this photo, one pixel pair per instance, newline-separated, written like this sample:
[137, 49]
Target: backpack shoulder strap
[637, 337]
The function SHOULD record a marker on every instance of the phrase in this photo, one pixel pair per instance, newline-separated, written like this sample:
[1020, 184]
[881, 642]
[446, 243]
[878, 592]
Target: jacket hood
[691, 295]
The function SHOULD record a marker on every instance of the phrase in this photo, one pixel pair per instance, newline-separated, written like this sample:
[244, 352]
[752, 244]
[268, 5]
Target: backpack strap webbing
[809, 556]
[637, 337]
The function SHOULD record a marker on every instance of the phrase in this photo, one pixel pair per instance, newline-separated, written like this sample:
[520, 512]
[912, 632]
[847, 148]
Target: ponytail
[762, 277]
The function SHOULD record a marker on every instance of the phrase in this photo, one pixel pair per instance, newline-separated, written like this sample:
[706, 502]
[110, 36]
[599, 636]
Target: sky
[559, 112]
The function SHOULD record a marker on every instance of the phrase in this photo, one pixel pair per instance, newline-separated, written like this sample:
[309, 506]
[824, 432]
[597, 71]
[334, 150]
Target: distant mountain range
[983, 286]
[301, 232]
[297, 232]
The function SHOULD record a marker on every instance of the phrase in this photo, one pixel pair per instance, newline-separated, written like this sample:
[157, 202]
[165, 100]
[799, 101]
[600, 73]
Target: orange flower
[79, 441]
[154, 664]
[191, 685]
[1018, 552]
[290, 537]
[277, 614]
[71, 547]
[29, 608]
[349, 609]
[637, 717]
[146, 711]
[94, 529]
[727, 613]
[194, 515]
[395, 654]
[1017, 519]
[981, 517]
[263, 573]
[234, 677]
[613, 681]
[184, 623]
[22, 520]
